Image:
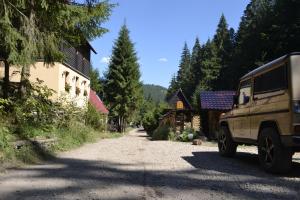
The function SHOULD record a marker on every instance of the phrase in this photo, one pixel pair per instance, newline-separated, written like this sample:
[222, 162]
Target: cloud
[163, 60]
[105, 60]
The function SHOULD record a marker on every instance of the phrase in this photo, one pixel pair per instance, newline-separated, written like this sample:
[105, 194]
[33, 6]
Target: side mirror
[246, 99]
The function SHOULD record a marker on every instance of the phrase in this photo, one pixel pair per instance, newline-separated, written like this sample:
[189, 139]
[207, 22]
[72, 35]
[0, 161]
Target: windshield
[295, 76]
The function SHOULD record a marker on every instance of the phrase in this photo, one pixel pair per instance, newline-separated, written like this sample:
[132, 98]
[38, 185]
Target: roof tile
[216, 100]
[97, 102]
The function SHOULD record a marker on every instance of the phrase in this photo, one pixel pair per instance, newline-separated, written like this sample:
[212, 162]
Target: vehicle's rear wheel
[273, 156]
[227, 147]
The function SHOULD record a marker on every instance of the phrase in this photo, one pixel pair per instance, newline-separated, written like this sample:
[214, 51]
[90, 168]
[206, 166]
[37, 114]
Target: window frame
[244, 84]
[276, 90]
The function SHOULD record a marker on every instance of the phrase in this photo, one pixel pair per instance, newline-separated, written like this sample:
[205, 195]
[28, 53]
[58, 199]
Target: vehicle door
[241, 120]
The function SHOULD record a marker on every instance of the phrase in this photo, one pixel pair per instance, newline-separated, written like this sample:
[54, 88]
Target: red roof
[216, 100]
[96, 101]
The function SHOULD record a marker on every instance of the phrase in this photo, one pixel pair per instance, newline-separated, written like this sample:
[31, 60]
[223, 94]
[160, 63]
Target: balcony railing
[75, 60]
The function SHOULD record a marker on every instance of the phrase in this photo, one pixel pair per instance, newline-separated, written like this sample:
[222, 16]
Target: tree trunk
[119, 124]
[24, 81]
[6, 80]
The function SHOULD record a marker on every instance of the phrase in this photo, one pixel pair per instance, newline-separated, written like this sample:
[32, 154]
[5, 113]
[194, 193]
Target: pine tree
[184, 72]
[123, 89]
[196, 71]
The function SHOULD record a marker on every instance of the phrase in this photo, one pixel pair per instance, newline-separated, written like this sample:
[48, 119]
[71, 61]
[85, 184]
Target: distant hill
[156, 92]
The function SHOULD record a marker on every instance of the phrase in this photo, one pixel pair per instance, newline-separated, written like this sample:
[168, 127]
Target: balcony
[75, 60]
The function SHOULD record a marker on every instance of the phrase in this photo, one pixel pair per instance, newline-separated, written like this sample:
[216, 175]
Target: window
[271, 81]
[179, 105]
[245, 92]
[77, 89]
[67, 82]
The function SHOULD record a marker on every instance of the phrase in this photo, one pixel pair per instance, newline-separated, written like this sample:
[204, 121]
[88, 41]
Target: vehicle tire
[273, 156]
[227, 147]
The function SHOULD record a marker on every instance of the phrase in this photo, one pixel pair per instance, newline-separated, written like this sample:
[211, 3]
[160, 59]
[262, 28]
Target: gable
[179, 101]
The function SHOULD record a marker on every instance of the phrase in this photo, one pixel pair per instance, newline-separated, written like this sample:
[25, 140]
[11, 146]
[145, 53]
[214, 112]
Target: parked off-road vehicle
[266, 113]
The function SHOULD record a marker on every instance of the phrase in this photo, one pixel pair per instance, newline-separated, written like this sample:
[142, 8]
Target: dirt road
[133, 167]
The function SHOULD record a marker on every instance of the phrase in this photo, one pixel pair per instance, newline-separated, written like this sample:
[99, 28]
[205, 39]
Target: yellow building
[69, 79]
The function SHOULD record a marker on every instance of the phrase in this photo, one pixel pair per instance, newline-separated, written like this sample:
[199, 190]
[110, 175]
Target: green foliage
[4, 137]
[154, 92]
[196, 66]
[174, 86]
[77, 134]
[95, 81]
[224, 50]
[123, 90]
[35, 110]
[184, 73]
[268, 30]
[37, 117]
[32, 30]
[163, 132]
[95, 119]
[172, 136]
[184, 136]
[150, 114]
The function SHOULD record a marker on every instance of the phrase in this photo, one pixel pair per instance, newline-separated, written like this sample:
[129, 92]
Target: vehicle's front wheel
[227, 147]
[273, 156]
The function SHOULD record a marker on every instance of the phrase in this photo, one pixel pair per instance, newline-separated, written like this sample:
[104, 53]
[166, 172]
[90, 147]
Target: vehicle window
[245, 92]
[273, 80]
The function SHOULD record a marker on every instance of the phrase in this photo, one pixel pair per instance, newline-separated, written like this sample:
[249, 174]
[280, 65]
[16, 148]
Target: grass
[72, 137]
[78, 134]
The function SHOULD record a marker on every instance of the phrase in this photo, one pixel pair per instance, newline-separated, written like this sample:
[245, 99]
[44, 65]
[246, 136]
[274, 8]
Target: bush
[162, 133]
[95, 119]
[36, 116]
[184, 135]
[4, 138]
[150, 118]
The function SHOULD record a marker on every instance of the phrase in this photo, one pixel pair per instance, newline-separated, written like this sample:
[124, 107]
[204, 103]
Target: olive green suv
[266, 113]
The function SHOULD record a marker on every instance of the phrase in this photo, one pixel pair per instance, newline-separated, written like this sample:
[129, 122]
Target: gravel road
[133, 167]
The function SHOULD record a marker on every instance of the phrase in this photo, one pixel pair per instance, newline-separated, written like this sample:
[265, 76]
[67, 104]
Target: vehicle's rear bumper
[290, 140]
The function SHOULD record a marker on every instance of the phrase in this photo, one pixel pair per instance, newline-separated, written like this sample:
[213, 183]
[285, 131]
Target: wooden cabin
[212, 105]
[180, 115]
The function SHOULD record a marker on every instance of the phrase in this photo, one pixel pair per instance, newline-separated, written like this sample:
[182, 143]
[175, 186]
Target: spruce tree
[95, 81]
[224, 47]
[196, 71]
[210, 66]
[173, 87]
[253, 43]
[184, 72]
[123, 89]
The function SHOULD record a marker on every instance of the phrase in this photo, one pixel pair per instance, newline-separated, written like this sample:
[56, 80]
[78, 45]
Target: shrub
[151, 117]
[184, 135]
[35, 116]
[172, 136]
[4, 138]
[162, 133]
[95, 119]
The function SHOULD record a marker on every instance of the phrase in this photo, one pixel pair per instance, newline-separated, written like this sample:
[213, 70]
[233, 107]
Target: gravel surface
[133, 167]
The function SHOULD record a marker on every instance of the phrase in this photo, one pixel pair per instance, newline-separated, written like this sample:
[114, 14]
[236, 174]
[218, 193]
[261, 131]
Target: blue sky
[159, 29]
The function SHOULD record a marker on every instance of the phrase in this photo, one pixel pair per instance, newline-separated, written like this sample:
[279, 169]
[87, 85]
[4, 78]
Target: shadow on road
[212, 173]
[242, 163]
